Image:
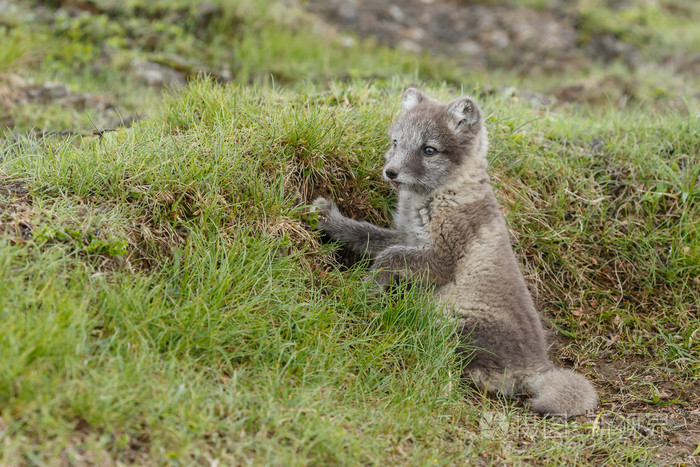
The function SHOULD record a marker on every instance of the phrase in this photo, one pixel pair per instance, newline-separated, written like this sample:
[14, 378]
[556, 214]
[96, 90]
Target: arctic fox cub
[450, 234]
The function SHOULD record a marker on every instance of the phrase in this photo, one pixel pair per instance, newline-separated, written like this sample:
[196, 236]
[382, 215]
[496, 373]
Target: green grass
[164, 299]
[661, 27]
[219, 320]
[255, 42]
[225, 329]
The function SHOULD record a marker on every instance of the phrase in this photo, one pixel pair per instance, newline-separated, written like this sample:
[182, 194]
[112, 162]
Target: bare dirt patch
[15, 210]
[478, 36]
[662, 408]
[493, 35]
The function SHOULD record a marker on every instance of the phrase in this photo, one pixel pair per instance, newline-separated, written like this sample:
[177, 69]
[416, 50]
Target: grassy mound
[172, 302]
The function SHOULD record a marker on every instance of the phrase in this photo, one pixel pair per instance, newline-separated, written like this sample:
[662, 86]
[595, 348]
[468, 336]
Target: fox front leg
[420, 265]
[362, 237]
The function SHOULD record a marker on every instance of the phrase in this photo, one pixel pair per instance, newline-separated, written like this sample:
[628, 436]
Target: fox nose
[391, 174]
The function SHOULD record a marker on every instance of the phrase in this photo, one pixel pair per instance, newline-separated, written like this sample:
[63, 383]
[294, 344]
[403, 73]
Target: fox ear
[464, 115]
[411, 98]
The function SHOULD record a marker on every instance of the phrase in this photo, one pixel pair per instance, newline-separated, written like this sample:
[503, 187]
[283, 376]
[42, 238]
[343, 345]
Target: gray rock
[48, 91]
[155, 74]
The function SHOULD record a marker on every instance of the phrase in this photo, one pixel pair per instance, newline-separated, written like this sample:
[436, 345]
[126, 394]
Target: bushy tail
[561, 392]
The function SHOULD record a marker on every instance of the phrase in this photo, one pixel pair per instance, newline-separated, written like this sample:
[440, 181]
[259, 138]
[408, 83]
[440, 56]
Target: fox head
[432, 144]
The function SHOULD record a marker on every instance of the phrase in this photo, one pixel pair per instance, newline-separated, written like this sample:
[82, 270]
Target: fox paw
[327, 211]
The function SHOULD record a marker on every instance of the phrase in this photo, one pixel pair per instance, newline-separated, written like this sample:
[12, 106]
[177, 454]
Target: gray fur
[451, 235]
[362, 237]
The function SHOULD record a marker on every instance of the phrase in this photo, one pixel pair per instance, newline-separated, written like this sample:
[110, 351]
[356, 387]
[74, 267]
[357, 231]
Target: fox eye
[429, 150]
